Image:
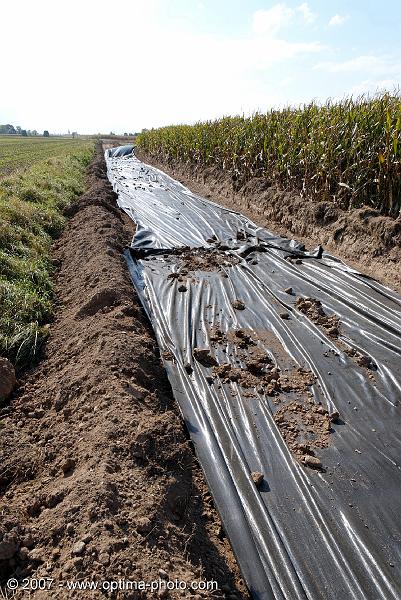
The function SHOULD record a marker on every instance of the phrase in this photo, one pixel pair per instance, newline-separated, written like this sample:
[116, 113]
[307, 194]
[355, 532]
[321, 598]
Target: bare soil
[7, 378]
[98, 479]
[365, 239]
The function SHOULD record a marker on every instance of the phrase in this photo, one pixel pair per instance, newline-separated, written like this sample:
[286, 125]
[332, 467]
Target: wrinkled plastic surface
[121, 151]
[333, 534]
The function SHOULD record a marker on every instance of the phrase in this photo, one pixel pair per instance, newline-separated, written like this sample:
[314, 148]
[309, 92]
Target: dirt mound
[98, 478]
[104, 300]
[366, 240]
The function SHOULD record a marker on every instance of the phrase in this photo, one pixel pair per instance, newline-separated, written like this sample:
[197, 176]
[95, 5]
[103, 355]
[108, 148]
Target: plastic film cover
[286, 368]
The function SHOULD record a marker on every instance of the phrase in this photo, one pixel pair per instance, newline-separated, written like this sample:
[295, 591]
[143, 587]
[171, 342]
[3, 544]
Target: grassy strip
[346, 152]
[31, 217]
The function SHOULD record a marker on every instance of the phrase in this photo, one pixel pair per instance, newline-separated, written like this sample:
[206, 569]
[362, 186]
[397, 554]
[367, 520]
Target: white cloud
[337, 20]
[372, 86]
[272, 20]
[370, 73]
[368, 63]
[285, 82]
[308, 15]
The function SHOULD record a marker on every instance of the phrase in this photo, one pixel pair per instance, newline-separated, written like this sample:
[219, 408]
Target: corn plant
[346, 152]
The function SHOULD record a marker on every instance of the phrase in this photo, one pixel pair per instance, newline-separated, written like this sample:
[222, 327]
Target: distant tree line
[17, 130]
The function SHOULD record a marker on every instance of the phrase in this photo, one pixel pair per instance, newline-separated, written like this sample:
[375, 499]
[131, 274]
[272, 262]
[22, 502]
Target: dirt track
[364, 239]
[97, 476]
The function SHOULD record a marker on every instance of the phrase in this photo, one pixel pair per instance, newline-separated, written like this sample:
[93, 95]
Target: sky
[95, 66]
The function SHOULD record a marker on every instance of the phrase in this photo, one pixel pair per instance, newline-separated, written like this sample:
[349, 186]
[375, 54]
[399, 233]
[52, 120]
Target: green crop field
[347, 152]
[21, 152]
[43, 177]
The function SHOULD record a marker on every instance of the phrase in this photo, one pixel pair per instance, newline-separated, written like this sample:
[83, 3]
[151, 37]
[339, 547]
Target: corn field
[346, 152]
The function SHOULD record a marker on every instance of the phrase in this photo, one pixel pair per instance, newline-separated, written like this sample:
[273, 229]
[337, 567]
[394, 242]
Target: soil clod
[7, 378]
[203, 356]
[191, 260]
[313, 309]
[68, 465]
[305, 427]
[334, 417]
[257, 478]
[78, 548]
[238, 304]
[311, 461]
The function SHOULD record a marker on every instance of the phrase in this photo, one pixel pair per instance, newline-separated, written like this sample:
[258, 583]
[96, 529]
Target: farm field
[22, 152]
[200, 300]
[98, 419]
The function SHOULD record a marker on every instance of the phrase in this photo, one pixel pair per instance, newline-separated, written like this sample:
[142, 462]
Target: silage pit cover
[331, 532]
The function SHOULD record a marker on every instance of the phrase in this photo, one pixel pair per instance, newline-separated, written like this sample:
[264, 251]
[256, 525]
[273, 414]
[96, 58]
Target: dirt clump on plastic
[306, 428]
[98, 480]
[238, 304]
[188, 260]
[362, 360]
[330, 324]
[252, 366]
[313, 309]
[365, 239]
[259, 362]
[203, 356]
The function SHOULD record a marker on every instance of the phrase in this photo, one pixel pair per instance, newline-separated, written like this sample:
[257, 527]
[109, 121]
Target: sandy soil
[367, 241]
[98, 479]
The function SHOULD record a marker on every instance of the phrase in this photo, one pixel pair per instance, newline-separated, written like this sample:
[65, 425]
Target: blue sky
[92, 65]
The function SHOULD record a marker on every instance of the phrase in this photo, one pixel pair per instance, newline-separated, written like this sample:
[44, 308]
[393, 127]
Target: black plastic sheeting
[121, 150]
[332, 534]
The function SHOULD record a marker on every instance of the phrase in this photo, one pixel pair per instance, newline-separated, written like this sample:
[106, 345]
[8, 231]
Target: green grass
[32, 200]
[346, 152]
[22, 152]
